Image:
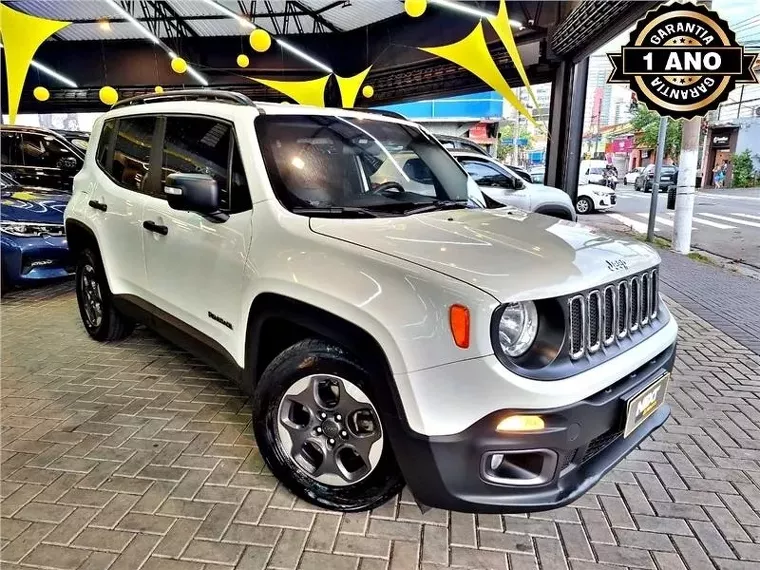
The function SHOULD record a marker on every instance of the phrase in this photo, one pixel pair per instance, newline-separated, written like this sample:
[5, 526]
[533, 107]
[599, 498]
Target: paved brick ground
[134, 455]
[728, 301]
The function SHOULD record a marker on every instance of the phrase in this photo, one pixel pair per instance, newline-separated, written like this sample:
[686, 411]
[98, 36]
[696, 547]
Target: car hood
[545, 188]
[588, 188]
[32, 204]
[509, 253]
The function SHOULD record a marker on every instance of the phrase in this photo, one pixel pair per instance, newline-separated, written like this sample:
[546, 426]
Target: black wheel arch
[276, 322]
[79, 237]
[556, 211]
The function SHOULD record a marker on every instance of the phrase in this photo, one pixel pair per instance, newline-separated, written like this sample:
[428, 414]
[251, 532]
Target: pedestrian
[718, 176]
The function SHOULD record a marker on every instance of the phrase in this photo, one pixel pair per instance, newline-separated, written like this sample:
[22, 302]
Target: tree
[743, 169]
[646, 124]
[507, 137]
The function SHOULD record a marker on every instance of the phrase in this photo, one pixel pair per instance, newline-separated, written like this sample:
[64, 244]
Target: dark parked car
[39, 157]
[80, 139]
[644, 182]
[32, 237]
[450, 142]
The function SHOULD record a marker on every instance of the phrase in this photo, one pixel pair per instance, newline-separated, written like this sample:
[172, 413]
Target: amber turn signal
[459, 320]
[521, 423]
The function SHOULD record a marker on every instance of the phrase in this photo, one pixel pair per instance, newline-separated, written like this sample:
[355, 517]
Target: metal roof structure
[100, 20]
[106, 44]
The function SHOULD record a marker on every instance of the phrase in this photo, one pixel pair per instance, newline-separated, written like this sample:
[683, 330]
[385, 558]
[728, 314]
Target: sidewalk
[753, 193]
[728, 301]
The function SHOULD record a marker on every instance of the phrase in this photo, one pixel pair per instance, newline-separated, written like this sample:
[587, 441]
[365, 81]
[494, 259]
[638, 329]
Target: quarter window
[103, 143]
[197, 145]
[131, 156]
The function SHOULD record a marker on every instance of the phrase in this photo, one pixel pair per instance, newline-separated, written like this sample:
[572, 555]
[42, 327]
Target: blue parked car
[32, 236]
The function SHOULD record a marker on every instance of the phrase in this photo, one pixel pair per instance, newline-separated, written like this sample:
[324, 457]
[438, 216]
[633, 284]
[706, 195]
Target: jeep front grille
[598, 317]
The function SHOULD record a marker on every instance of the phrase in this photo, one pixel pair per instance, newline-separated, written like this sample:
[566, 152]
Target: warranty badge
[682, 60]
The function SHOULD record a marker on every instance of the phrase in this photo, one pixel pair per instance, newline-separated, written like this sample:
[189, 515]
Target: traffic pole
[686, 188]
[661, 134]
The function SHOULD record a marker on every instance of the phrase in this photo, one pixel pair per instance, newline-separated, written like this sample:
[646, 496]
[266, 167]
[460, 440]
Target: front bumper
[32, 259]
[584, 441]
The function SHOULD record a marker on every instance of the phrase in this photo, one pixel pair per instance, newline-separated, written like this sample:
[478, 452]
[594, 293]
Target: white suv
[492, 360]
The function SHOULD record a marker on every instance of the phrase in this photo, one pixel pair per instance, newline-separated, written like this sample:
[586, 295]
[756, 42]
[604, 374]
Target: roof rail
[392, 114]
[232, 97]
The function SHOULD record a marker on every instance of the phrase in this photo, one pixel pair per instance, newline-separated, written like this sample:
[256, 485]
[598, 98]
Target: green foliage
[507, 132]
[647, 123]
[742, 168]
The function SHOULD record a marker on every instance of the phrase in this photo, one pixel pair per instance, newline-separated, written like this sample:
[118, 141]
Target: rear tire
[584, 205]
[100, 318]
[309, 445]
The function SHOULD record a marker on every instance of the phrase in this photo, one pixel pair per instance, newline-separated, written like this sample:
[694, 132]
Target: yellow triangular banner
[22, 36]
[503, 28]
[309, 92]
[472, 54]
[349, 87]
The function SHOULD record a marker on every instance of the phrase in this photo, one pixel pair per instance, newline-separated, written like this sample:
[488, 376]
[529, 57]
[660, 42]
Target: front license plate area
[645, 402]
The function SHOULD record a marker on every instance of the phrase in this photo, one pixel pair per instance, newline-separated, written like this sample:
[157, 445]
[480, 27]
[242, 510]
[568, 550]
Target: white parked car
[630, 177]
[594, 198]
[502, 186]
[491, 360]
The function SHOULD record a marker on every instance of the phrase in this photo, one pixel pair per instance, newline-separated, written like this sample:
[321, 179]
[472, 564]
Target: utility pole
[687, 179]
[661, 134]
[686, 188]
[516, 133]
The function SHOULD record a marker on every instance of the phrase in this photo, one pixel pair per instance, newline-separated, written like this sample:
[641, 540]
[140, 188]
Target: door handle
[98, 205]
[152, 226]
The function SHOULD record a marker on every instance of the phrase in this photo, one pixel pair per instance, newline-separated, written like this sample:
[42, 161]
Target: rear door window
[10, 149]
[46, 151]
[131, 156]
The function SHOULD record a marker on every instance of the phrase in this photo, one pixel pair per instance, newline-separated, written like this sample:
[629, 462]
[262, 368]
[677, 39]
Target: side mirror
[197, 193]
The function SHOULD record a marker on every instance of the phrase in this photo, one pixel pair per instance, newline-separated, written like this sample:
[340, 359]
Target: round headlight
[518, 326]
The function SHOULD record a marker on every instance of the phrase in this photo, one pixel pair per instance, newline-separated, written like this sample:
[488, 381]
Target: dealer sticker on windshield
[643, 404]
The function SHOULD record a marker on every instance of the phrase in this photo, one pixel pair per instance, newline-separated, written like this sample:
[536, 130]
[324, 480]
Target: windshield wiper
[438, 205]
[335, 211]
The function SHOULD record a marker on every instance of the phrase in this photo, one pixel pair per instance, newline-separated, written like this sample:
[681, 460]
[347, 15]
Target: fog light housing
[521, 423]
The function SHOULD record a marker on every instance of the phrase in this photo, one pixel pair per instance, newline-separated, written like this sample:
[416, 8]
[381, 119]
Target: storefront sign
[682, 60]
[624, 145]
[720, 140]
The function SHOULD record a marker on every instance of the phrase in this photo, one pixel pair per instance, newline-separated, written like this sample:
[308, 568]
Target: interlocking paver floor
[134, 455]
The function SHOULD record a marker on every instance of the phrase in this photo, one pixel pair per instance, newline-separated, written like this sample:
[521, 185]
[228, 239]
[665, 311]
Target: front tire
[99, 316]
[584, 205]
[319, 431]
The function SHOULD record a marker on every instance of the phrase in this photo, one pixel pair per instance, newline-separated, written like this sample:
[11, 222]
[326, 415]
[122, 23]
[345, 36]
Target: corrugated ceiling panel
[117, 31]
[358, 13]
[66, 9]
[227, 27]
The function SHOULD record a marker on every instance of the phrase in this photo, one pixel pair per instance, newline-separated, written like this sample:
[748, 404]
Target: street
[726, 222]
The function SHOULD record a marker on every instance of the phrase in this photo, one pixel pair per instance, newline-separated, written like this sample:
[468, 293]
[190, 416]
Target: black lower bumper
[581, 443]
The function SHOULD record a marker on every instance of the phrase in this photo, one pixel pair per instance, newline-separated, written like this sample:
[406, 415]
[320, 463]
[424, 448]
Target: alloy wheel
[92, 301]
[330, 429]
[582, 206]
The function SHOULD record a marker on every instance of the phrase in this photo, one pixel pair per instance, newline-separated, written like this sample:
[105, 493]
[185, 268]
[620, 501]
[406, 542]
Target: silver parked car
[501, 186]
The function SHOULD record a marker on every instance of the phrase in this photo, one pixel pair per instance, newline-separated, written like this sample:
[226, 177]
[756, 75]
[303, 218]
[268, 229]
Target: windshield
[596, 170]
[318, 162]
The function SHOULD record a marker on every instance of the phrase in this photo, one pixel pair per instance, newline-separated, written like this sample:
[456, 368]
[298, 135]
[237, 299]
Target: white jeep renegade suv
[492, 360]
